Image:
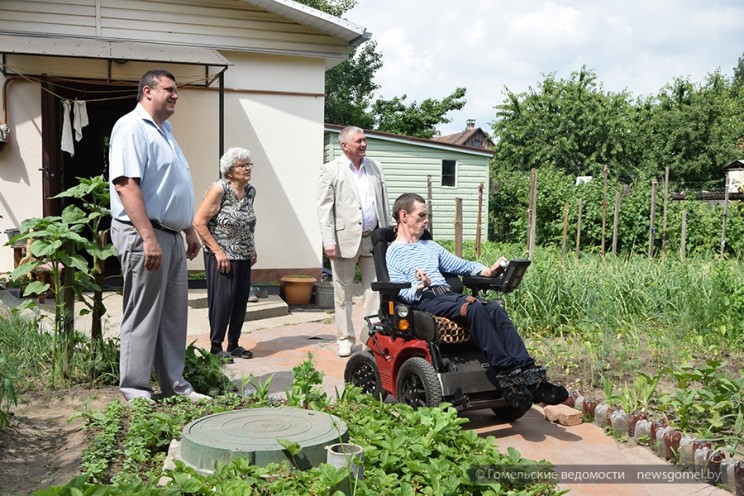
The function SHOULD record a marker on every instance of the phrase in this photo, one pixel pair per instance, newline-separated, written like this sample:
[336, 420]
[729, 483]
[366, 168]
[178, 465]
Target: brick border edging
[667, 442]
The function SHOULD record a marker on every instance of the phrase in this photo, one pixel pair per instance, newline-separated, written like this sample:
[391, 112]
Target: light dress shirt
[366, 196]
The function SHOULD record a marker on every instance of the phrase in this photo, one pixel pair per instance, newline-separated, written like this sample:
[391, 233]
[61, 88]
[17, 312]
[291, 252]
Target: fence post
[652, 219]
[430, 206]
[725, 214]
[532, 214]
[578, 228]
[616, 222]
[478, 227]
[565, 229]
[664, 213]
[683, 237]
[458, 227]
[604, 211]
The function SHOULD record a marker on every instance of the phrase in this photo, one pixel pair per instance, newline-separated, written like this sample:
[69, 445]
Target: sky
[431, 47]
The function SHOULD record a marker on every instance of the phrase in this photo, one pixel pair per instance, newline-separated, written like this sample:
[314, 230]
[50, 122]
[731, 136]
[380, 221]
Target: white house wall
[20, 161]
[265, 111]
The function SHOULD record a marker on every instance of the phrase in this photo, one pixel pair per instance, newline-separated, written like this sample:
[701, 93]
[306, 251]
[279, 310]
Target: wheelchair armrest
[389, 287]
[505, 282]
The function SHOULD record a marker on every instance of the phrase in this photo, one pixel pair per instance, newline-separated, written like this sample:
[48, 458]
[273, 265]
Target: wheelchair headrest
[381, 238]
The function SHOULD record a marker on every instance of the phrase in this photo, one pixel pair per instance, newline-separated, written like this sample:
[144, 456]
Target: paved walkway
[280, 343]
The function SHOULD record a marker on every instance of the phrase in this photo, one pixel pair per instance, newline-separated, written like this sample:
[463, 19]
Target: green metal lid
[252, 433]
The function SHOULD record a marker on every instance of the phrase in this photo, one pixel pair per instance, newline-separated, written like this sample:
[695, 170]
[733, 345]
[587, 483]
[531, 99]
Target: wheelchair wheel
[510, 413]
[361, 371]
[417, 384]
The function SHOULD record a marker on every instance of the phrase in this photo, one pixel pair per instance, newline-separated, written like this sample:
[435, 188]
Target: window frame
[454, 174]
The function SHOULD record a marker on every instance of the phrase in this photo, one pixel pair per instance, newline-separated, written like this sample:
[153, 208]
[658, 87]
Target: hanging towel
[81, 118]
[67, 144]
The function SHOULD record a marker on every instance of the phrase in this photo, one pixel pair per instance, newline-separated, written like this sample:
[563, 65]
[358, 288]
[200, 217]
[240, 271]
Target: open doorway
[104, 103]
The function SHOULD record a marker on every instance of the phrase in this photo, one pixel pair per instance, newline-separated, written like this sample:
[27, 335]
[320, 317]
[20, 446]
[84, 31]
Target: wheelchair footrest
[519, 377]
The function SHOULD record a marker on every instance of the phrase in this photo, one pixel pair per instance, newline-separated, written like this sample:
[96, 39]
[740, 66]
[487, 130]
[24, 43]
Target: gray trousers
[155, 315]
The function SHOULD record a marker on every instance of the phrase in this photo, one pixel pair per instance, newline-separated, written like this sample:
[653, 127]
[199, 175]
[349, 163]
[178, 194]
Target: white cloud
[431, 47]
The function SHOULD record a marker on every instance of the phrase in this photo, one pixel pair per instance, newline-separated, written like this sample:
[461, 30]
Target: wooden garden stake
[458, 227]
[616, 222]
[578, 228]
[683, 236]
[604, 211]
[652, 219]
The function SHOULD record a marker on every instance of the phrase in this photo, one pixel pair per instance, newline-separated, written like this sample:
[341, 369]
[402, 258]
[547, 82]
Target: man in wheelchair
[422, 263]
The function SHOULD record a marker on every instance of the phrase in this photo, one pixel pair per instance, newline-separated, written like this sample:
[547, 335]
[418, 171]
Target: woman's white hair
[232, 156]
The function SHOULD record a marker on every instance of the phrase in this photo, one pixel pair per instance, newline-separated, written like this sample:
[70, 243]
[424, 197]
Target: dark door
[105, 103]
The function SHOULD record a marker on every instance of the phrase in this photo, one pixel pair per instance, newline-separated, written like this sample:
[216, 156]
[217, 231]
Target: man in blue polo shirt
[152, 202]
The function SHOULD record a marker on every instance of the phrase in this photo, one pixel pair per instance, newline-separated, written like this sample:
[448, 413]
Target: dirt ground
[44, 444]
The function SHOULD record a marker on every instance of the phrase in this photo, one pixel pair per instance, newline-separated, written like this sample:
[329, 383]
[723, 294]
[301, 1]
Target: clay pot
[298, 290]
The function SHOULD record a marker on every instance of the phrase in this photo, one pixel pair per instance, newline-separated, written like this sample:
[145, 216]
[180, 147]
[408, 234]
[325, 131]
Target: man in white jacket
[352, 202]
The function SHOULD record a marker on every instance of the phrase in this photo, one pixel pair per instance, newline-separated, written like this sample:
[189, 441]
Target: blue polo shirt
[140, 149]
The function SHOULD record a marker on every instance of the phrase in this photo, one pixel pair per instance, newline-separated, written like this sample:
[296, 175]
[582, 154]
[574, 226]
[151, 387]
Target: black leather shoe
[550, 394]
[519, 397]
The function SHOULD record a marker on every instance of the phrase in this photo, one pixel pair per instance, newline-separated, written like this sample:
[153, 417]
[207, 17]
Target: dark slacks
[227, 297]
[490, 327]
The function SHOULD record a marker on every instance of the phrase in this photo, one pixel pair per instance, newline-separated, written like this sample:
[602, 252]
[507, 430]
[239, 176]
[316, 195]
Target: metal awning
[112, 50]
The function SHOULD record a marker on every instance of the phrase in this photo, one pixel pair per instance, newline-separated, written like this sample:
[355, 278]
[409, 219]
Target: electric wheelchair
[424, 360]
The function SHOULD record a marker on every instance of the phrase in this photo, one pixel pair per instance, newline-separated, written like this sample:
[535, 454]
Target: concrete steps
[264, 308]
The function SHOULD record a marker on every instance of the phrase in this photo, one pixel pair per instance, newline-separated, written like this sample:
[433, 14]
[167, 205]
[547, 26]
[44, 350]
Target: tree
[350, 88]
[573, 125]
[419, 120]
[693, 129]
[336, 8]
[739, 72]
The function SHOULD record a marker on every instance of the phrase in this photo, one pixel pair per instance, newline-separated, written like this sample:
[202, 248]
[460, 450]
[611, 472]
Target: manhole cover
[253, 434]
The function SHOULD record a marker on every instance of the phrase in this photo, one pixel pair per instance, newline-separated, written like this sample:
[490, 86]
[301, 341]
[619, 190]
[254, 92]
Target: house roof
[462, 136]
[355, 35]
[107, 49]
[418, 141]
[64, 45]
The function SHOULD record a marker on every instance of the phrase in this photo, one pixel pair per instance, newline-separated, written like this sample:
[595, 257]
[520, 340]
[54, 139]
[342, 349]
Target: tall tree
[694, 129]
[350, 88]
[570, 124]
[416, 119]
[739, 72]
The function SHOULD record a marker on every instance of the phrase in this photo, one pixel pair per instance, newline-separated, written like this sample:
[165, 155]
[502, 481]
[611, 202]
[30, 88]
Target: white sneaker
[344, 347]
[194, 396]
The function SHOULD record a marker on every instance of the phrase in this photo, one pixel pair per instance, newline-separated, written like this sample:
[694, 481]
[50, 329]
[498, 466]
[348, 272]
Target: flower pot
[298, 290]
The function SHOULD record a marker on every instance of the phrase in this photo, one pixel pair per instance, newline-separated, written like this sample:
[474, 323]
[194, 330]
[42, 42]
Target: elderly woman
[226, 222]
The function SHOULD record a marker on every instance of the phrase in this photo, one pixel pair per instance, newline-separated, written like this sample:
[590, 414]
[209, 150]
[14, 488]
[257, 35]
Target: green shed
[417, 165]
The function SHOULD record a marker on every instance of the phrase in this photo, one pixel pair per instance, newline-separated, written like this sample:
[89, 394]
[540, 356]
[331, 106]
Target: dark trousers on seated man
[490, 327]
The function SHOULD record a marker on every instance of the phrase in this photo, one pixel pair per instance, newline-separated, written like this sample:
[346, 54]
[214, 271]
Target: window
[449, 173]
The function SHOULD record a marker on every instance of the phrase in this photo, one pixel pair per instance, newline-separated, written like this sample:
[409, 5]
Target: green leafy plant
[56, 243]
[306, 384]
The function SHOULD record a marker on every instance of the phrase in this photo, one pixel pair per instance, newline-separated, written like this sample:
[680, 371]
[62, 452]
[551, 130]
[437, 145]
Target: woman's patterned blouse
[235, 223]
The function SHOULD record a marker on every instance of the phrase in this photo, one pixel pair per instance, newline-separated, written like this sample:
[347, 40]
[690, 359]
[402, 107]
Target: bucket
[346, 455]
[324, 294]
